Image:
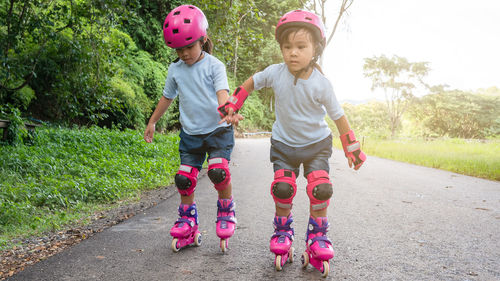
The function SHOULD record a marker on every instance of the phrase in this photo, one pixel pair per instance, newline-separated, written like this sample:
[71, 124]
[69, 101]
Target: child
[300, 134]
[201, 83]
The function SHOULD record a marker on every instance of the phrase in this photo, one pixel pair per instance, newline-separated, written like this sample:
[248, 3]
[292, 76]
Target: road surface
[389, 221]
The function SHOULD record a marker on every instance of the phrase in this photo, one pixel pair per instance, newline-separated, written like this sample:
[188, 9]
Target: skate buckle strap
[182, 220]
[227, 210]
[187, 213]
[319, 238]
[281, 233]
[227, 218]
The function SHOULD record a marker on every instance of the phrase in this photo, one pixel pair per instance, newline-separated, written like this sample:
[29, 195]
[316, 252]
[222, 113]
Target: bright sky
[459, 38]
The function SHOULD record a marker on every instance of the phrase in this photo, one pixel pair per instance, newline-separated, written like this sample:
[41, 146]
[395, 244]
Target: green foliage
[399, 79]
[368, 119]
[457, 114]
[66, 169]
[257, 115]
[93, 62]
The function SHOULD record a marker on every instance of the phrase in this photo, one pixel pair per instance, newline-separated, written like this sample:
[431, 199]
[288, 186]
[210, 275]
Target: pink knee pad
[218, 172]
[283, 188]
[186, 179]
[319, 189]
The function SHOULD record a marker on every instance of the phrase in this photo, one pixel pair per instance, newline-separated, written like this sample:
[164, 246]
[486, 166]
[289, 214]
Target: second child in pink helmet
[199, 81]
[183, 28]
[301, 137]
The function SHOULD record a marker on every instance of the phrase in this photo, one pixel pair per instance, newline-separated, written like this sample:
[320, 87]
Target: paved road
[390, 221]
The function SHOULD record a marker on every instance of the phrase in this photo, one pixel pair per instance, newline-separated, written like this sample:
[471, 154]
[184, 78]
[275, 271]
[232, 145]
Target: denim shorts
[194, 149]
[313, 157]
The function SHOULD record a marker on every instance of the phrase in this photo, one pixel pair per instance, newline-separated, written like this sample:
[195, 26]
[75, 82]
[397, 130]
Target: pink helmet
[183, 26]
[301, 18]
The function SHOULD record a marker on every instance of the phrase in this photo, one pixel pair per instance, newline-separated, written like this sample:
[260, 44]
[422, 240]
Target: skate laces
[319, 232]
[224, 210]
[283, 229]
[187, 215]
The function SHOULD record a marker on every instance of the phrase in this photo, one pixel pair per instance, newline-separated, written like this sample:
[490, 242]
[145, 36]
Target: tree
[319, 7]
[457, 114]
[398, 78]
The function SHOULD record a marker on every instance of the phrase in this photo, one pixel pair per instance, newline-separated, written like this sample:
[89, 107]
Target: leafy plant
[66, 170]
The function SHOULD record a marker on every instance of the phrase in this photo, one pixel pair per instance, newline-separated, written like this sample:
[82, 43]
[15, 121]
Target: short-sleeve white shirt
[300, 108]
[197, 85]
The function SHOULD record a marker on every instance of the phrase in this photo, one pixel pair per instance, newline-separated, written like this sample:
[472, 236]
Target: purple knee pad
[186, 179]
[218, 172]
[319, 189]
[284, 188]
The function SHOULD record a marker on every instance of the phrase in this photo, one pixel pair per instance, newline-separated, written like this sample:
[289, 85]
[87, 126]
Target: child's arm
[162, 106]
[235, 102]
[222, 97]
[352, 148]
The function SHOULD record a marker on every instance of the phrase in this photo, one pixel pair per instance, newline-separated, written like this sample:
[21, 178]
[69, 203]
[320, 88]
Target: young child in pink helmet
[199, 80]
[300, 135]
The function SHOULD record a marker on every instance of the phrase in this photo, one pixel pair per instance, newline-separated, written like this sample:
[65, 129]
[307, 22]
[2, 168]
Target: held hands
[231, 117]
[229, 110]
[352, 150]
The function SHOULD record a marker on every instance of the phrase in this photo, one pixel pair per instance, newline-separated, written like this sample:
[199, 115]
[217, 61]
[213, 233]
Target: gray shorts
[313, 157]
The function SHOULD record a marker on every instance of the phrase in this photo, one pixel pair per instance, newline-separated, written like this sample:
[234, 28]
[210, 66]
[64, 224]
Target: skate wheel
[290, 254]
[326, 269]
[197, 239]
[174, 245]
[304, 259]
[277, 263]
[223, 245]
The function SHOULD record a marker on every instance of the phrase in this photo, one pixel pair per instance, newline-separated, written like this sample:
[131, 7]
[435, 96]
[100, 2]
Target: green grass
[67, 174]
[469, 157]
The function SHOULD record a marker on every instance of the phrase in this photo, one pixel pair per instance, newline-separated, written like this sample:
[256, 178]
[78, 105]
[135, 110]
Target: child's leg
[226, 193]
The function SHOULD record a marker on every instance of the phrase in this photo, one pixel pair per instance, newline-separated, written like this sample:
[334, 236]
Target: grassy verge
[67, 174]
[469, 157]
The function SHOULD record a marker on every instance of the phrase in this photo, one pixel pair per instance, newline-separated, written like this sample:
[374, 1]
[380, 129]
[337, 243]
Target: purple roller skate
[226, 221]
[281, 241]
[185, 230]
[318, 247]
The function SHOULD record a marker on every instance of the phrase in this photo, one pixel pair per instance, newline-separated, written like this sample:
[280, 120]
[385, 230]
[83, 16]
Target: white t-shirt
[301, 108]
[197, 85]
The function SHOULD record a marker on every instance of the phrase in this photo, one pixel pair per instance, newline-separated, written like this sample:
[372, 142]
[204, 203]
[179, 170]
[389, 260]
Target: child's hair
[208, 46]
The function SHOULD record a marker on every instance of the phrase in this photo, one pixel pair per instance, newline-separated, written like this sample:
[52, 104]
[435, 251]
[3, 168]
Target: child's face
[298, 50]
[190, 54]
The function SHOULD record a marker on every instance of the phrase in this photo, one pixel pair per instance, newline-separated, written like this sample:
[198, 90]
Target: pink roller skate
[226, 221]
[185, 230]
[281, 241]
[319, 248]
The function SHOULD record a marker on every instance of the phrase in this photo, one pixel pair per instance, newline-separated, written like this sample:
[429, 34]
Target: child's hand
[232, 118]
[349, 160]
[149, 132]
[352, 150]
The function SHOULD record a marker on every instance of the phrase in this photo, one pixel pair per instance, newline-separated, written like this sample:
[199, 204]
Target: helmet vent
[187, 21]
[189, 38]
[191, 7]
[283, 19]
[175, 31]
[308, 18]
[177, 12]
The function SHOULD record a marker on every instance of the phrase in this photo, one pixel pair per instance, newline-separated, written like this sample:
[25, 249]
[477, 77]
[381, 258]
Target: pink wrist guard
[235, 101]
[352, 148]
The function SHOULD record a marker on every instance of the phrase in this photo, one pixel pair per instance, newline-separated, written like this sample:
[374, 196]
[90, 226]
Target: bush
[65, 168]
